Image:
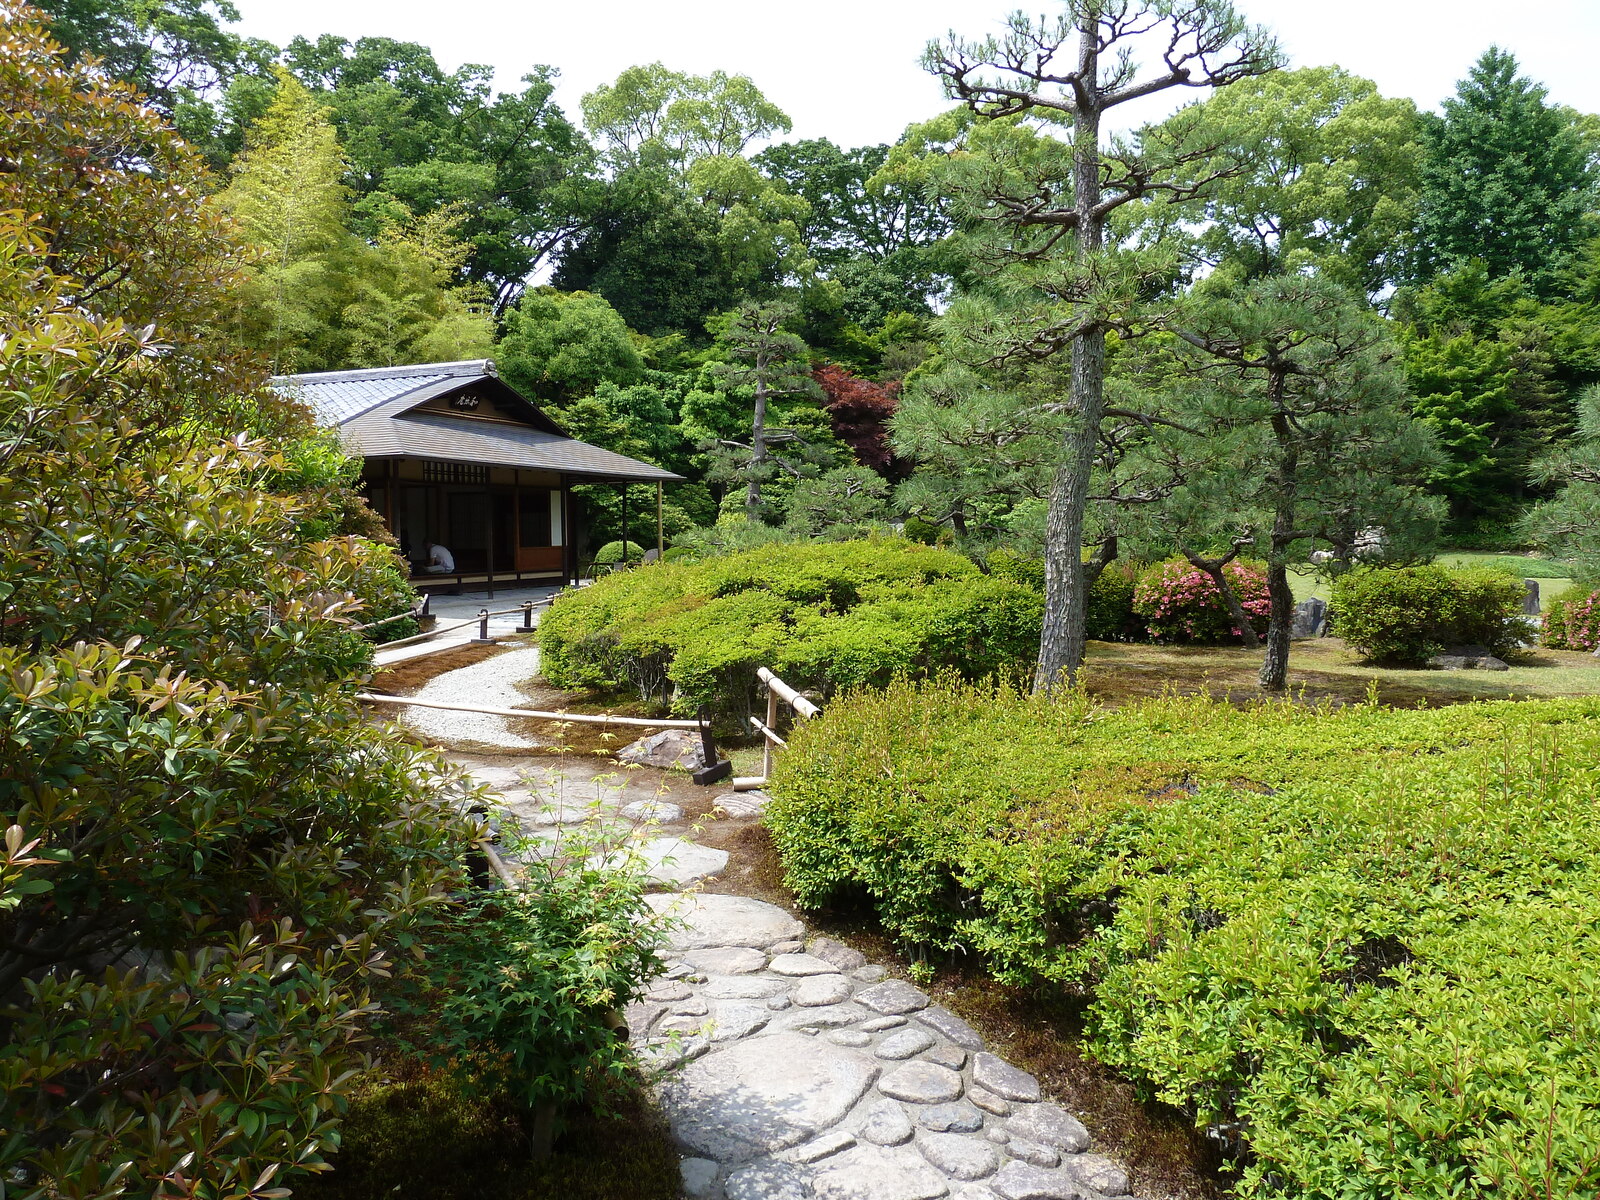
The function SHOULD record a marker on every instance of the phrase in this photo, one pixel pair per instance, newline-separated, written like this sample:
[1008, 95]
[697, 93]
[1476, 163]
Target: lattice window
[449, 472]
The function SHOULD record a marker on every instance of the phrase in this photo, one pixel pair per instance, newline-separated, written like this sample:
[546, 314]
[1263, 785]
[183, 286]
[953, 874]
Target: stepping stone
[1098, 1172]
[869, 1172]
[946, 1023]
[544, 815]
[1033, 1152]
[997, 1135]
[677, 863]
[500, 779]
[667, 992]
[955, 1117]
[869, 974]
[1019, 1181]
[717, 921]
[743, 987]
[790, 947]
[733, 960]
[893, 997]
[652, 810]
[802, 964]
[905, 1044]
[833, 1016]
[756, 1097]
[731, 1020]
[1001, 1078]
[817, 990]
[692, 1007]
[886, 1124]
[1051, 1125]
[766, 1180]
[947, 1056]
[819, 1148]
[921, 1083]
[699, 1177]
[962, 1157]
[976, 1191]
[841, 956]
[742, 804]
[988, 1101]
[879, 1024]
[850, 1037]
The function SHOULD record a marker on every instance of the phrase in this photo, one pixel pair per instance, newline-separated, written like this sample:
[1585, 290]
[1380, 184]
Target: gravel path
[491, 683]
[793, 1070]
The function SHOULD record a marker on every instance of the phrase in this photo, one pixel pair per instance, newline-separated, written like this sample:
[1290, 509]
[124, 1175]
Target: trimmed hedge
[824, 616]
[1409, 614]
[1361, 940]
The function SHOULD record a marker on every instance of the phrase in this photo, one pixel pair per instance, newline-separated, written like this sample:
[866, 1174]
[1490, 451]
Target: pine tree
[1505, 179]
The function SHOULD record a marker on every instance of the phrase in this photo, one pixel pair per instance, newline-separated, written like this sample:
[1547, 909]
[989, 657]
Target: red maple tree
[859, 411]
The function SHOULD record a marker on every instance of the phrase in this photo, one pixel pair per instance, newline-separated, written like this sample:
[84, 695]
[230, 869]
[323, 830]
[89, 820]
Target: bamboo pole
[528, 713]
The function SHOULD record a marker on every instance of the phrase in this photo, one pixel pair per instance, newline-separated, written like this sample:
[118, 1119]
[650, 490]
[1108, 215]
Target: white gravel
[491, 683]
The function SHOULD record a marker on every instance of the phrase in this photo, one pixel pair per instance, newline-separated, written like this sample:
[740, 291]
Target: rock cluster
[796, 1071]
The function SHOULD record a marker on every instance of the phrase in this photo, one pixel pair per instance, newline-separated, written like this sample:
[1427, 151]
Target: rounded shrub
[611, 554]
[1181, 603]
[1572, 623]
[1408, 614]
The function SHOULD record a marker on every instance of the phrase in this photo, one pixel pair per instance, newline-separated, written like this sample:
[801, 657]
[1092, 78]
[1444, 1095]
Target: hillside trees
[1048, 203]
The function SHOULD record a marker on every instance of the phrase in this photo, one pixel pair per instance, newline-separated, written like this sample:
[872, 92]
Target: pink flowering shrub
[1180, 603]
[1572, 623]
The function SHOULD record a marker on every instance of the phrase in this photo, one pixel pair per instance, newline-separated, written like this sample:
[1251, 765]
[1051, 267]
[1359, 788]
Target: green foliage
[828, 617]
[560, 345]
[1303, 926]
[612, 553]
[1181, 603]
[1572, 622]
[1111, 616]
[1409, 614]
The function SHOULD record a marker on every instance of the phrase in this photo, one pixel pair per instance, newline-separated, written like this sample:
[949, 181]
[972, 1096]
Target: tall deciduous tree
[655, 115]
[1506, 178]
[1043, 197]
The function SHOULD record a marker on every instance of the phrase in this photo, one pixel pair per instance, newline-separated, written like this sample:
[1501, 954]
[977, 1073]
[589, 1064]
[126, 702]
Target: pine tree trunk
[1230, 598]
[758, 454]
[1065, 584]
[1275, 664]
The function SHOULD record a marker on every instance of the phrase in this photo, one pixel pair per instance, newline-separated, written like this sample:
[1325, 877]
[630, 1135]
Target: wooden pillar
[488, 521]
[516, 522]
[624, 524]
[661, 541]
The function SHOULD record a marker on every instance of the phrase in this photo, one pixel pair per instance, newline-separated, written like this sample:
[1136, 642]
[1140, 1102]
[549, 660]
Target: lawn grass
[1324, 668]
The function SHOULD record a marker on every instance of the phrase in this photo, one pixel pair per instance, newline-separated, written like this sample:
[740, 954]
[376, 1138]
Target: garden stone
[743, 987]
[666, 993]
[742, 804]
[779, 1003]
[692, 1007]
[879, 1173]
[947, 1056]
[963, 1157]
[652, 810]
[1033, 1152]
[731, 1019]
[789, 947]
[667, 749]
[976, 1191]
[684, 1024]
[1019, 1181]
[886, 1124]
[850, 1037]
[956, 1117]
[638, 1017]
[766, 1180]
[879, 1024]
[893, 997]
[988, 1101]
[841, 956]
[921, 1083]
[905, 1044]
[1001, 1078]
[716, 921]
[997, 1135]
[801, 965]
[1051, 1125]
[1310, 619]
[665, 1053]
[1098, 1172]
[817, 990]
[699, 1177]
[1530, 598]
[1465, 662]
[869, 974]
[829, 1143]
[676, 863]
[946, 1023]
[763, 1095]
[833, 1016]
[734, 960]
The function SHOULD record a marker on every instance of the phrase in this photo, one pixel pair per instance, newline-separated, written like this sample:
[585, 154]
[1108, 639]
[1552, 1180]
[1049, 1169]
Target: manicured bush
[824, 616]
[1181, 603]
[1409, 614]
[1360, 940]
[611, 554]
[1572, 622]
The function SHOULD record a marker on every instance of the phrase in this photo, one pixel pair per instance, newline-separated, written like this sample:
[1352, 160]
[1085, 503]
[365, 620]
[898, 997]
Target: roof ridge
[466, 367]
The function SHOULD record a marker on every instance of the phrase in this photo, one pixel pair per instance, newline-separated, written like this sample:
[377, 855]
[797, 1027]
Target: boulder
[1467, 662]
[1310, 619]
[1530, 598]
[669, 748]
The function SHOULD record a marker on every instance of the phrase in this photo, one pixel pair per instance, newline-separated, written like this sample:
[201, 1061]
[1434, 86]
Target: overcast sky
[848, 69]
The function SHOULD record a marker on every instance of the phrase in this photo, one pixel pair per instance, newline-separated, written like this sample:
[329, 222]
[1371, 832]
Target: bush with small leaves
[1409, 614]
[1181, 603]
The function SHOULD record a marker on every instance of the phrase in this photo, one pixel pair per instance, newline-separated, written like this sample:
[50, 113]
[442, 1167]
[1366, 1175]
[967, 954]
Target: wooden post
[516, 523]
[766, 742]
[488, 521]
[661, 541]
[624, 524]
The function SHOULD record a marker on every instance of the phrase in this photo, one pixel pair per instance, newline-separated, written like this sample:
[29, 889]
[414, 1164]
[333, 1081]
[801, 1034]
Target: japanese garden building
[453, 454]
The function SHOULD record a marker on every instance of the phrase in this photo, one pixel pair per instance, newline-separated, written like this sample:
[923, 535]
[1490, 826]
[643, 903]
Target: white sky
[848, 69]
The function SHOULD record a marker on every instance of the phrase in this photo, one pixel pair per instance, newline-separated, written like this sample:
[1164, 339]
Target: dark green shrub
[824, 616]
[1409, 614]
[926, 533]
[611, 554]
[1361, 936]
[1110, 617]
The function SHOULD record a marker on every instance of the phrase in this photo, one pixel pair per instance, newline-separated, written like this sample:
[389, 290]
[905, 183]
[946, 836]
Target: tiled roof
[372, 411]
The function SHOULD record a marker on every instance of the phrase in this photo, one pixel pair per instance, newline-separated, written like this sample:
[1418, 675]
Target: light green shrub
[824, 616]
[1110, 615]
[1360, 939]
[1409, 614]
[611, 553]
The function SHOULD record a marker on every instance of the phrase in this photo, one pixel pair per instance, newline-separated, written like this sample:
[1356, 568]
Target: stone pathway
[793, 1070]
